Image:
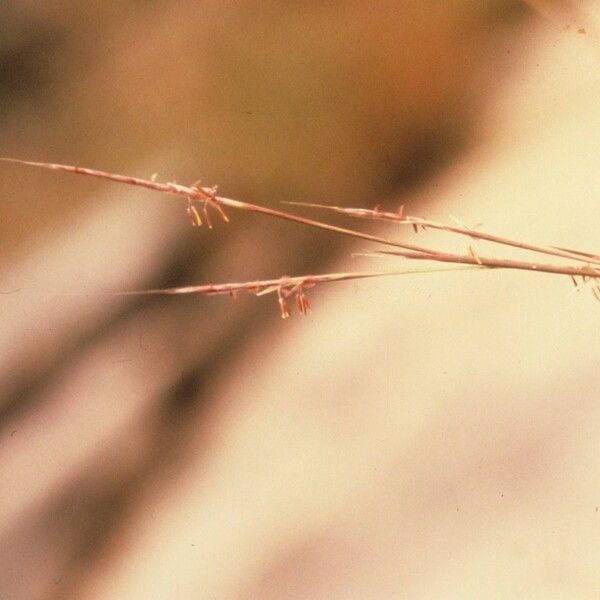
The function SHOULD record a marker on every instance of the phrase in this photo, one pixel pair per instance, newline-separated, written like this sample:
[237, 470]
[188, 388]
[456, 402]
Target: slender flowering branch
[284, 287]
[262, 286]
[267, 286]
[418, 222]
[586, 272]
[203, 194]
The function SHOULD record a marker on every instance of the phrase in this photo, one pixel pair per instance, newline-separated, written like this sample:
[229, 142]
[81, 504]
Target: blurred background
[430, 437]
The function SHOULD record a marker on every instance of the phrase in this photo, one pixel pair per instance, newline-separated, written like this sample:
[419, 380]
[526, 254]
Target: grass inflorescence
[582, 268]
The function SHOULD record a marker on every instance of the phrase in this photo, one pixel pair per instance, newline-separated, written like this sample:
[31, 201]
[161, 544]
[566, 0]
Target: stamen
[193, 215]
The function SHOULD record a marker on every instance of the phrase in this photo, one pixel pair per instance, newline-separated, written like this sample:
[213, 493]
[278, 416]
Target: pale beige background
[431, 436]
